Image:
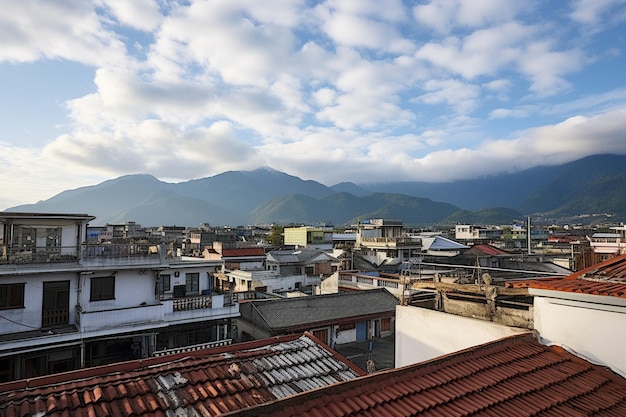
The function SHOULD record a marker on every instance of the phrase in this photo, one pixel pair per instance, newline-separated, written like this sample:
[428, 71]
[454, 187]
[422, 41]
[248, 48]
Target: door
[56, 303]
[361, 330]
[376, 328]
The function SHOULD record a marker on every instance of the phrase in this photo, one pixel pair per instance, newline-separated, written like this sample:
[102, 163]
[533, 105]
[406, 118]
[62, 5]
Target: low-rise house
[334, 319]
[236, 255]
[68, 304]
[201, 383]
[302, 262]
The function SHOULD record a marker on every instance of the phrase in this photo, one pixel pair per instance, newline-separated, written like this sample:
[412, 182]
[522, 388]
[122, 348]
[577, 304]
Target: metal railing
[87, 252]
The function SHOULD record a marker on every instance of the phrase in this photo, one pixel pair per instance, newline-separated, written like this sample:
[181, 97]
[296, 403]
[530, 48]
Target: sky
[366, 91]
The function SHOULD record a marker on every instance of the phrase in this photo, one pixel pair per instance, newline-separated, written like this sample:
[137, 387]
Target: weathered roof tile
[511, 377]
[607, 278]
[207, 382]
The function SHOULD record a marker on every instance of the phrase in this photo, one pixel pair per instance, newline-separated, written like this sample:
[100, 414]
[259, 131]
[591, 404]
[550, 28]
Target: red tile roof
[482, 249]
[606, 278]
[515, 376]
[207, 382]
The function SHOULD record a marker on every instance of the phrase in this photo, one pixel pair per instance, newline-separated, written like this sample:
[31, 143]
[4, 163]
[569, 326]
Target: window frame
[163, 279]
[97, 288]
[9, 296]
[192, 282]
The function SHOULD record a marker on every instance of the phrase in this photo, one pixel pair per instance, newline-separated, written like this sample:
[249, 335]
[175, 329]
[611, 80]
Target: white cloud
[463, 97]
[143, 15]
[592, 11]
[443, 15]
[31, 30]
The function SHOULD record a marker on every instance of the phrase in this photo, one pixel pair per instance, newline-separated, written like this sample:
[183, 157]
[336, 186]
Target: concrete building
[308, 237]
[68, 304]
[385, 243]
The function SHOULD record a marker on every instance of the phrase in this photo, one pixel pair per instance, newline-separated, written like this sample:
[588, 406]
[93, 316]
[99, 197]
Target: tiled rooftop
[482, 249]
[515, 376]
[201, 383]
[606, 278]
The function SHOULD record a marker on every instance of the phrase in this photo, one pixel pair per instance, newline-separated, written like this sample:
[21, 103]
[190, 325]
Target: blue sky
[367, 91]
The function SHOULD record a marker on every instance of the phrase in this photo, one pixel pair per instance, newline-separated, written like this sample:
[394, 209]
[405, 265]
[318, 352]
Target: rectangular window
[165, 283]
[192, 282]
[11, 296]
[102, 288]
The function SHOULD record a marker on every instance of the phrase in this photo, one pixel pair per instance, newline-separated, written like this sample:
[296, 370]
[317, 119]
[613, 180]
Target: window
[192, 282]
[102, 288]
[165, 283]
[11, 296]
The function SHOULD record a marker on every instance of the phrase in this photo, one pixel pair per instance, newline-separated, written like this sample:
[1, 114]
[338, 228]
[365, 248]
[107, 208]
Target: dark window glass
[11, 296]
[102, 288]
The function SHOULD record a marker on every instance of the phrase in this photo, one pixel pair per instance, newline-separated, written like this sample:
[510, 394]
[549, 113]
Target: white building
[385, 242]
[473, 233]
[608, 245]
[67, 304]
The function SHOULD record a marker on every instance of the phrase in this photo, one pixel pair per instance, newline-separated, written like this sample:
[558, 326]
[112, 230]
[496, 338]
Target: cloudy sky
[362, 91]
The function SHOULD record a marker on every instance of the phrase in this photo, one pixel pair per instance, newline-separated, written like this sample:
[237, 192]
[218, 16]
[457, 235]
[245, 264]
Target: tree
[276, 235]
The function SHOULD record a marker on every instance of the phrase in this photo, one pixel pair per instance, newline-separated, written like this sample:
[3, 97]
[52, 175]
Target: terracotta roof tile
[510, 377]
[212, 382]
[607, 278]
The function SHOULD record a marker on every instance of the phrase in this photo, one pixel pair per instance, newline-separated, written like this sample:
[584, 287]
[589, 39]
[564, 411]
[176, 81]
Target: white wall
[131, 289]
[29, 317]
[593, 331]
[423, 334]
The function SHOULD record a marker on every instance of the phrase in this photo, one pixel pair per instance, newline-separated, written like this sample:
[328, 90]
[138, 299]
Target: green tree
[276, 235]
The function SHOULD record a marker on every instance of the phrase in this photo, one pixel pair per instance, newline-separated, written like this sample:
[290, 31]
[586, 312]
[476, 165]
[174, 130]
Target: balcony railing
[106, 254]
[192, 303]
[87, 254]
[34, 255]
[52, 318]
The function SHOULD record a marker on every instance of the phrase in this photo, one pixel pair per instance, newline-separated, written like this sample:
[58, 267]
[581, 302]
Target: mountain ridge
[595, 184]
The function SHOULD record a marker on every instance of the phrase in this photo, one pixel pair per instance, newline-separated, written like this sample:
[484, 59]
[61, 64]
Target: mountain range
[595, 184]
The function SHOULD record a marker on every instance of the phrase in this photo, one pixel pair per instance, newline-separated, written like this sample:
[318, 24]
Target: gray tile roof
[303, 311]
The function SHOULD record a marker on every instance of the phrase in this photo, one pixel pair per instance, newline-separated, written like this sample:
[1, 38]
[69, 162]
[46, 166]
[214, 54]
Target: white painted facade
[423, 334]
[590, 326]
[59, 315]
[271, 280]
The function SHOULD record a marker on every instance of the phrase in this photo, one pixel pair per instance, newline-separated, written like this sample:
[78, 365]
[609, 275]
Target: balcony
[366, 282]
[117, 319]
[388, 242]
[25, 257]
[203, 307]
[86, 255]
[108, 254]
[52, 318]
[192, 303]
